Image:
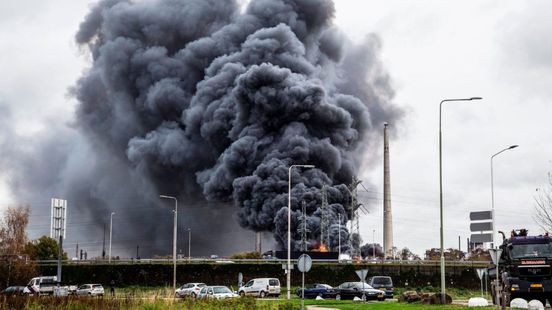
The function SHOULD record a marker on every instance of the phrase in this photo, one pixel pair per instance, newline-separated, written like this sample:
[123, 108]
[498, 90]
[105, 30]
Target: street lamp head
[307, 166]
[112, 212]
[513, 146]
[476, 98]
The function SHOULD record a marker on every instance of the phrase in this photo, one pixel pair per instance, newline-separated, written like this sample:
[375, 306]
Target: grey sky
[432, 50]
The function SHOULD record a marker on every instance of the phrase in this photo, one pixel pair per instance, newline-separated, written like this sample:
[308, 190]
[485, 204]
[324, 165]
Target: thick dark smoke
[369, 249]
[204, 101]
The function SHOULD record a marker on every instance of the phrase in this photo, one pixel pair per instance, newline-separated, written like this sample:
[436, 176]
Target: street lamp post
[443, 299]
[492, 191]
[110, 234]
[174, 236]
[189, 244]
[338, 236]
[373, 244]
[289, 228]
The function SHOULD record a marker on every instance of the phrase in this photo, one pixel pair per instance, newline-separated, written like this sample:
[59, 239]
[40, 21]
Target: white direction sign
[481, 272]
[481, 215]
[304, 263]
[481, 238]
[362, 274]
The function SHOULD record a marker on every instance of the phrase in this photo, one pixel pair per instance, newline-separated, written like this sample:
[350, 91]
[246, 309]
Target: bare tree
[543, 205]
[13, 236]
[15, 266]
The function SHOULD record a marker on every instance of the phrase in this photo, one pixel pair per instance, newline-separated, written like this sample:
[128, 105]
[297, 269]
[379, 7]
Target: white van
[41, 286]
[261, 287]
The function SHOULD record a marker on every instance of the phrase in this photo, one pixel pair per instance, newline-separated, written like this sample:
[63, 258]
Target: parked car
[41, 286]
[218, 292]
[13, 290]
[90, 290]
[317, 289]
[362, 290]
[189, 289]
[383, 283]
[261, 287]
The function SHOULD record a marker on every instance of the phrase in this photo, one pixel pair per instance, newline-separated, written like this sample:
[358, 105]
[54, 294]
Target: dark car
[383, 283]
[362, 290]
[317, 289]
[13, 290]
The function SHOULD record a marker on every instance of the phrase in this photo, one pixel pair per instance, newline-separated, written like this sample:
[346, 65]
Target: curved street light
[289, 228]
[492, 188]
[174, 236]
[110, 234]
[441, 192]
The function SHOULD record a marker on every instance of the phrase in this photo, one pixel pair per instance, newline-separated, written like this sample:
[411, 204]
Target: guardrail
[479, 264]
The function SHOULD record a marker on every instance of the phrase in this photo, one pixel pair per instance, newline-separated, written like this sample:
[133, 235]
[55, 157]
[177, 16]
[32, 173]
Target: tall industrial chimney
[387, 218]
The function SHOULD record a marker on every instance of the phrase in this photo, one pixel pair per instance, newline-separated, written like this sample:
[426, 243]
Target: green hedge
[227, 274]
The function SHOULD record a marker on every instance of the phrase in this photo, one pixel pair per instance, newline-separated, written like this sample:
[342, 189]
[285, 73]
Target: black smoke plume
[212, 103]
[369, 249]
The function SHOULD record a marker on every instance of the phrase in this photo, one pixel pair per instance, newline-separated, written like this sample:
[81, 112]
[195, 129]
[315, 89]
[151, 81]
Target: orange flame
[322, 248]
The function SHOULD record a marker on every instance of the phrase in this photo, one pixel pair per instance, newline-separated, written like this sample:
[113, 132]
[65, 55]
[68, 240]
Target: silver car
[189, 289]
[218, 292]
[90, 290]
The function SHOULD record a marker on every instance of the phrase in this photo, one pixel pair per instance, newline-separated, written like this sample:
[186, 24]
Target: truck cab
[525, 267]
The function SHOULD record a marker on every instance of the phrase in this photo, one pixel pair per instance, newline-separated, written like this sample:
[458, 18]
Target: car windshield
[360, 285]
[221, 290]
[531, 250]
[323, 286]
[201, 285]
[382, 281]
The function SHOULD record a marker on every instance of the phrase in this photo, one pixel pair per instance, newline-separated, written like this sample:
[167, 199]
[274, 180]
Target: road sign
[481, 226]
[481, 272]
[481, 215]
[495, 253]
[304, 263]
[481, 238]
[362, 274]
[58, 221]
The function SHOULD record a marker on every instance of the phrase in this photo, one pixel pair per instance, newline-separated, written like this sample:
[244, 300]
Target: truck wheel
[242, 293]
[262, 294]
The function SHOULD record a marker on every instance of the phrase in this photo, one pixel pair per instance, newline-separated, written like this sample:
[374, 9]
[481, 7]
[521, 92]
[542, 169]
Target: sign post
[480, 273]
[304, 264]
[495, 256]
[240, 280]
[58, 227]
[362, 273]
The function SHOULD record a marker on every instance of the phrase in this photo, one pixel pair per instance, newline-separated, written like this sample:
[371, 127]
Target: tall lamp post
[374, 244]
[174, 236]
[443, 299]
[492, 190]
[110, 234]
[189, 244]
[289, 228]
